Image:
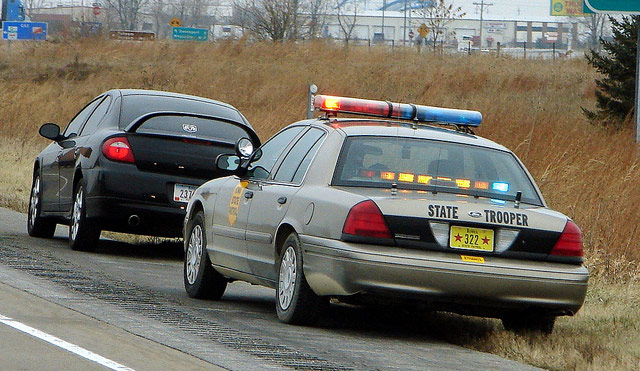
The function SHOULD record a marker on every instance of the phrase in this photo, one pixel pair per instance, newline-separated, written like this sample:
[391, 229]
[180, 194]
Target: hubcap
[77, 213]
[33, 203]
[194, 251]
[287, 279]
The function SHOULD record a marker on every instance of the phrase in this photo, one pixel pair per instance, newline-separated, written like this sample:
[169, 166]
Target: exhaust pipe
[134, 221]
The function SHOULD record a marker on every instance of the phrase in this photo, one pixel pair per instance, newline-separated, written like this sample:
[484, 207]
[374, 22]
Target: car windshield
[422, 164]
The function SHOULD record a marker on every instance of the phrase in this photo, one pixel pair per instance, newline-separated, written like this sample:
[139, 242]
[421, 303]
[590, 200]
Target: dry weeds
[530, 106]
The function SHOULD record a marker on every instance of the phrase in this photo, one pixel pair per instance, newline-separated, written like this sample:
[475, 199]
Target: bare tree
[315, 12]
[594, 25]
[180, 10]
[160, 18]
[346, 20]
[128, 11]
[31, 5]
[277, 20]
[437, 15]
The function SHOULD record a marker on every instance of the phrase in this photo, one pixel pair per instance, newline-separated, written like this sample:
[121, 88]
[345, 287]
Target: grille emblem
[189, 128]
[475, 214]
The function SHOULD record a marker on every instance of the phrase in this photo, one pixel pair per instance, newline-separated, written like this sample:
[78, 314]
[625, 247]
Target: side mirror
[244, 148]
[228, 162]
[257, 155]
[50, 131]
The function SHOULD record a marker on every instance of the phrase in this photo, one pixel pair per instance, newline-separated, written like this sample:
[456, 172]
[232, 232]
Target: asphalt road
[124, 307]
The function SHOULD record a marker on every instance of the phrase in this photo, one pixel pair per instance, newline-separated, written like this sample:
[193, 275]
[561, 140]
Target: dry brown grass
[530, 106]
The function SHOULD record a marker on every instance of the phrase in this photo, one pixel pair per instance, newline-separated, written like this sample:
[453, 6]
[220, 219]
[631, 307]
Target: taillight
[118, 149]
[570, 241]
[365, 219]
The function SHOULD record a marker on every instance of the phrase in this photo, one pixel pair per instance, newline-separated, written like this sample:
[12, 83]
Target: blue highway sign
[24, 30]
[188, 33]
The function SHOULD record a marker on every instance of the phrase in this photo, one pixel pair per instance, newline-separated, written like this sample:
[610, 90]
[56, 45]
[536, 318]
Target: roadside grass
[530, 106]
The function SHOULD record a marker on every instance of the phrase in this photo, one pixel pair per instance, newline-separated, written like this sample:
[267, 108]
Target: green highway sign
[612, 6]
[190, 34]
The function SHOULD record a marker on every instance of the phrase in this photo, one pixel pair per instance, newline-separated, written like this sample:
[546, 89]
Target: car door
[49, 187]
[51, 160]
[233, 203]
[230, 215]
[271, 200]
[90, 117]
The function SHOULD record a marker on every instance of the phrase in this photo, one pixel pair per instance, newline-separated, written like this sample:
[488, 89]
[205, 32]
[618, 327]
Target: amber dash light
[463, 183]
[444, 178]
[387, 175]
[481, 185]
[424, 179]
[406, 177]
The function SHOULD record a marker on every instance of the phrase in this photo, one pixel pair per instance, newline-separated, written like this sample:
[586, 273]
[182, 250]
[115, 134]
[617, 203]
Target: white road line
[64, 345]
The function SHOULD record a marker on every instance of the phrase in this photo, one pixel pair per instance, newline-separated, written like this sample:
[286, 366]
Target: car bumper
[118, 191]
[337, 268]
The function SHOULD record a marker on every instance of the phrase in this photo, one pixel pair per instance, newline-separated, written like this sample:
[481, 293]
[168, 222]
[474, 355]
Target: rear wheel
[519, 322]
[37, 226]
[200, 279]
[83, 232]
[296, 303]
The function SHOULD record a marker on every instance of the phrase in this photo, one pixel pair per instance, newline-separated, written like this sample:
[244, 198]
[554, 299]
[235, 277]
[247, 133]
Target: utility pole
[482, 4]
[384, 5]
[404, 37]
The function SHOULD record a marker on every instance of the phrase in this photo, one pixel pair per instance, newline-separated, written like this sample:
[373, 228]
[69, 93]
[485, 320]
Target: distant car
[129, 161]
[381, 210]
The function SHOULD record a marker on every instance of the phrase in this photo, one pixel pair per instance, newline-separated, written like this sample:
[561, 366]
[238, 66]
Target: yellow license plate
[471, 238]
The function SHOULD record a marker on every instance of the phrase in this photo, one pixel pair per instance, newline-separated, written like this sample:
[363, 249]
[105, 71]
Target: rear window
[188, 126]
[134, 106]
[367, 161]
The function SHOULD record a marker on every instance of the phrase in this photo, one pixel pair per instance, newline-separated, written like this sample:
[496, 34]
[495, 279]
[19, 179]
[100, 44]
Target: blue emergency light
[404, 111]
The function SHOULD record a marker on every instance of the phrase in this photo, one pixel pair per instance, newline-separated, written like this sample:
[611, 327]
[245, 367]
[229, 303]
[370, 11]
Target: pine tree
[615, 95]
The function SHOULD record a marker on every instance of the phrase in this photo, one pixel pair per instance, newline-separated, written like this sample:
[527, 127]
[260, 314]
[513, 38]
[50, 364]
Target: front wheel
[296, 303]
[201, 281]
[83, 233]
[37, 226]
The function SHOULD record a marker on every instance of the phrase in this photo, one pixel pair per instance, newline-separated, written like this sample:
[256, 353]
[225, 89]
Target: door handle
[282, 200]
[248, 194]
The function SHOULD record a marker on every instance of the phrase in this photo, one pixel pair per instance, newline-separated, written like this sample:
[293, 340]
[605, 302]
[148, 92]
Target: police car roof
[355, 127]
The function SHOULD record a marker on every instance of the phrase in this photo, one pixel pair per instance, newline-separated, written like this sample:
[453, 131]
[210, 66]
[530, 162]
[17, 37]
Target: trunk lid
[424, 220]
[184, 144]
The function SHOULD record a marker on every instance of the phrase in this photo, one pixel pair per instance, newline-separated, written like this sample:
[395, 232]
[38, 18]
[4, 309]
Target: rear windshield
[368, 161]
[188, 126]
[134, 106]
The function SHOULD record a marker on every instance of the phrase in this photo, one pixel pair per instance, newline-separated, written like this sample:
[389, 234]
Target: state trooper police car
[366, 209]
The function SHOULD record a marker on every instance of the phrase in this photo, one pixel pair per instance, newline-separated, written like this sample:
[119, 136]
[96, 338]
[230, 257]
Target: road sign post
[629, 8]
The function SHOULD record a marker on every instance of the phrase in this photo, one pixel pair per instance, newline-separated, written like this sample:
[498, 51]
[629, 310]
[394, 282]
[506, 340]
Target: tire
[37, 226]
[201, 280]
[83, 232]
[528, 322]
[296, 303]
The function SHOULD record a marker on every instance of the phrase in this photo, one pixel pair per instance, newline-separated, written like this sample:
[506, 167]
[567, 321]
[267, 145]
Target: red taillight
[570, 241]
[366, 220]
[118, 149]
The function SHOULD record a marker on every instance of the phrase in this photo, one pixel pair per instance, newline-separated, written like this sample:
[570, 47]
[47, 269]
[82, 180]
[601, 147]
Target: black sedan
[129, 161]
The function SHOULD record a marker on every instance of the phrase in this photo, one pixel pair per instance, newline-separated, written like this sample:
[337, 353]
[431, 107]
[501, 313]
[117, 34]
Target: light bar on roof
[405, 111]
